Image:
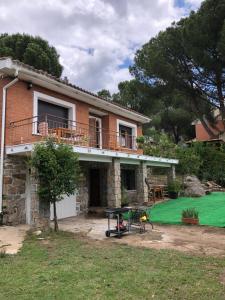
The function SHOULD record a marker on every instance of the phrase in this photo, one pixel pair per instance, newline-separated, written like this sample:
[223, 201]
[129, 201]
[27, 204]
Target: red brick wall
[201, 133]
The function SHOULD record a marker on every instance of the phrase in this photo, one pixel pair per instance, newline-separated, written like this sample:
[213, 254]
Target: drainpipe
[3, 135]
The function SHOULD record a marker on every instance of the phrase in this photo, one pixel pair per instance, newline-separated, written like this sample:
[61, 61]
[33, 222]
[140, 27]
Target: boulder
[193, 187]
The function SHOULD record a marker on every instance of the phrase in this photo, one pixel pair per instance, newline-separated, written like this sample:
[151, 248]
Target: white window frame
[100, 128]
[46, 98]
[130, 125]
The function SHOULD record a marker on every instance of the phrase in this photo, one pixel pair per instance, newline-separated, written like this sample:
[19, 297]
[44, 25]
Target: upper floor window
[127, 134]
[50, 112]
[54, 115]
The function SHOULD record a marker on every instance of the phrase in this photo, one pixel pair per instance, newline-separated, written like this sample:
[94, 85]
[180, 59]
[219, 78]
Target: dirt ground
[199, 240]
[12, 237]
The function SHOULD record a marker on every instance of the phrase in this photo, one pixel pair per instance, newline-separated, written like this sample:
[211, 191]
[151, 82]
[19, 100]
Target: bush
[174, 186]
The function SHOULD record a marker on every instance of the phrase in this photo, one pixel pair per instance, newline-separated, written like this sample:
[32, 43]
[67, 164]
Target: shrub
[174, 186]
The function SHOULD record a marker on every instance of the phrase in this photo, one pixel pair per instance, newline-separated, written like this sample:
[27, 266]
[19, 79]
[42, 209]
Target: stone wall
[82, 193]
[20, 195]
[39, 210]
[114, 184]
[14, 190]
[142, 188]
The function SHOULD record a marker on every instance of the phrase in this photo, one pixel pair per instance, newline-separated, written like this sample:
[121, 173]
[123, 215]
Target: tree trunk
[56, 226]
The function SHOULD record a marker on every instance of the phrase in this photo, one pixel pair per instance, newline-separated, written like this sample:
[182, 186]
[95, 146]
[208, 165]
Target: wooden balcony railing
[36, 129]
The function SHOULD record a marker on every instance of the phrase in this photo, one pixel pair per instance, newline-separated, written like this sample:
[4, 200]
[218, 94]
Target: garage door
[65, 208]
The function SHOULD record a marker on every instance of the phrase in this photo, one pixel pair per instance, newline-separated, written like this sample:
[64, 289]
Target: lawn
[66, 267]
[211, 210]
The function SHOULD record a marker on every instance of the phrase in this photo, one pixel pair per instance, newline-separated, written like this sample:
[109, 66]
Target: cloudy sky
[96, 39]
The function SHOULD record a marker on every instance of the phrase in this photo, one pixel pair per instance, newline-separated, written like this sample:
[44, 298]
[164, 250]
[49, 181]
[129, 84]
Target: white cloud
[93, 37]
[194, 3]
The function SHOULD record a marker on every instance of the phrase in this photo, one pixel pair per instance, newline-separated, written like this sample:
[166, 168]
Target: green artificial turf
[211, 210]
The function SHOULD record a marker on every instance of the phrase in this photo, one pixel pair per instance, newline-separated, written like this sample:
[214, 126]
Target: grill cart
[121, 228]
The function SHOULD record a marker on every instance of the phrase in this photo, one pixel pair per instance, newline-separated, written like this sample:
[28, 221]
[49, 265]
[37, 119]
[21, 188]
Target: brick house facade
[34, 105]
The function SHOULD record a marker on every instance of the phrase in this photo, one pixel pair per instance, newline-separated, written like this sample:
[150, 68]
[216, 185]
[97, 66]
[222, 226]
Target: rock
[38, 232]
[193, 187]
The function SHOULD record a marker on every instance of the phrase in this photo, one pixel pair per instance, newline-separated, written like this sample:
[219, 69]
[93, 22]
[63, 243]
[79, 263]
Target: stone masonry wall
[39, 210]
[114, 184]
[14, 190]
[82, 194]
[142, 188]
[20, 186]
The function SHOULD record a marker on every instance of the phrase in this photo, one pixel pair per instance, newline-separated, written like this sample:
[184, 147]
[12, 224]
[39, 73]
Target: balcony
[36, 129]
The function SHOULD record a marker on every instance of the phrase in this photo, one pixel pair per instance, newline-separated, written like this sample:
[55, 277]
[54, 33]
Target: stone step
[97, 211]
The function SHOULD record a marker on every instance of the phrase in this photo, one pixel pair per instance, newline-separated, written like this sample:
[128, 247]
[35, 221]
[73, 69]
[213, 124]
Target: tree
[189, 57]
[58, 172]
[130, 94]
[189, 161]
[105, 94]
[31, 50]
[168, 108]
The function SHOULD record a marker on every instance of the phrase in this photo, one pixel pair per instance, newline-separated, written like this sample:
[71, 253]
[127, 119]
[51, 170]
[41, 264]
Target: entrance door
[95, 194]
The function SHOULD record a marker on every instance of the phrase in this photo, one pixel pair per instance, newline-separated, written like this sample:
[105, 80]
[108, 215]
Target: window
[127, 133]
[58, 113]
[128, 179]
[55, 115]
[95, 135]
[125, 136]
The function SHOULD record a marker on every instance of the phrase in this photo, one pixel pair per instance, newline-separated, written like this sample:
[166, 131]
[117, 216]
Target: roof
[11, 67]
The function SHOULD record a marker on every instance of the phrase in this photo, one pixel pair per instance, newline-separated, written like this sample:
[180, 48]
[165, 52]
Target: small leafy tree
[58, 172]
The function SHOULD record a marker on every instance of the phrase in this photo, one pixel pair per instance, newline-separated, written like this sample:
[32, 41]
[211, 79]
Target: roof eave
[9, 67]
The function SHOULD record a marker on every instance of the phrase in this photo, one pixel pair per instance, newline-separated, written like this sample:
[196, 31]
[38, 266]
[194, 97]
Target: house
[34, 105]
[218, 130]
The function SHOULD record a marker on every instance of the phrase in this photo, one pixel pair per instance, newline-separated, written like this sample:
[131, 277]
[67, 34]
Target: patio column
[39, 210]
[142, 188]
[171, 174]
[114, 184]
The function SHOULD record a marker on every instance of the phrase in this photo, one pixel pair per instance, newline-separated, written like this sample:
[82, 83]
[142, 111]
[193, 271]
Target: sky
[96, 39]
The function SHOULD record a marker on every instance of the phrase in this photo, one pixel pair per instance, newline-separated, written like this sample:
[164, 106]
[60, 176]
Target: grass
[211, 209]
[66, 267]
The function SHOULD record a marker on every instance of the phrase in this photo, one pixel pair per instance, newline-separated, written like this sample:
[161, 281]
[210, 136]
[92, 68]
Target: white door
[65, 208]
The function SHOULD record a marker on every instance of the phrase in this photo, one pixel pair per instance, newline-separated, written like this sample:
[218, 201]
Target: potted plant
[190, 216]
[174, 188]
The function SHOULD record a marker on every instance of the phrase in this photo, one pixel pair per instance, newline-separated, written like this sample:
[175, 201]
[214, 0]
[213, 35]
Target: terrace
[35, 129]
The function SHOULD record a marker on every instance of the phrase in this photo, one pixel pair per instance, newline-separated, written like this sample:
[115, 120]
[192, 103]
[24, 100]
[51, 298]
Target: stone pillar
[171, 175]
[40, 210]
[83, 191]
[142, 188]
[114, 184]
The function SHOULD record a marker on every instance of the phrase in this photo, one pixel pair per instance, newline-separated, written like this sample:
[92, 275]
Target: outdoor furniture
[73, 135]
[120, 228]
[136, 218]
[157, 192]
